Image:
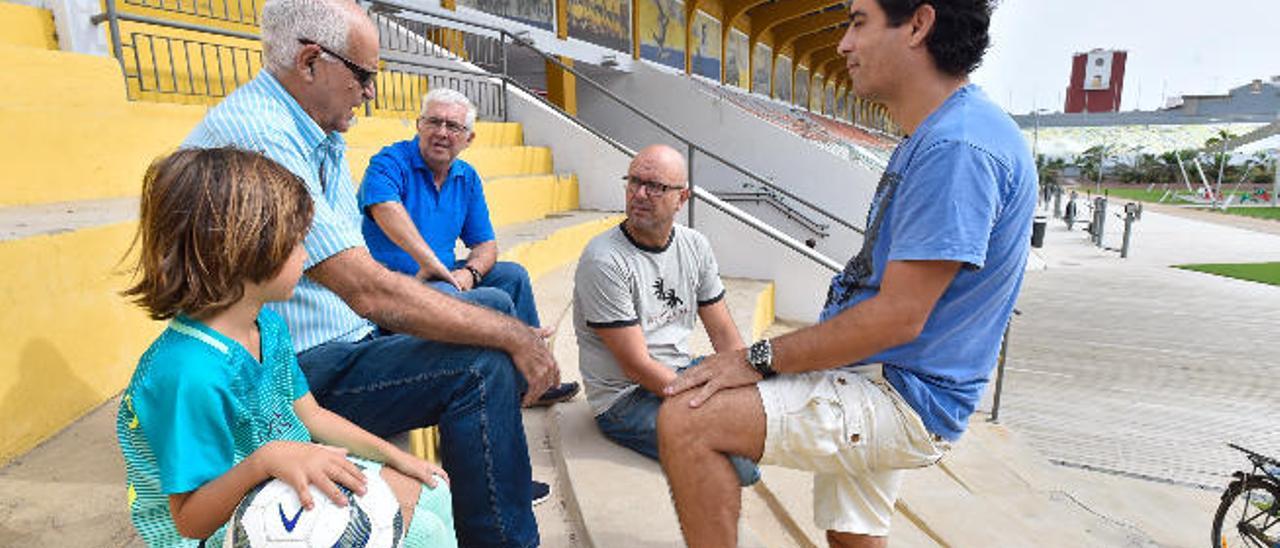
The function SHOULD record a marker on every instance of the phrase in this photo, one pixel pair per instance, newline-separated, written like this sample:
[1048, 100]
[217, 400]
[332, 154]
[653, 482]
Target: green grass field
[1272, 213]
[1267, 273]
[1140, 194]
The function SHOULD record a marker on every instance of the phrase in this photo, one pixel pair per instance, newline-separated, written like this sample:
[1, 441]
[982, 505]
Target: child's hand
[301, 464]
[416, 468]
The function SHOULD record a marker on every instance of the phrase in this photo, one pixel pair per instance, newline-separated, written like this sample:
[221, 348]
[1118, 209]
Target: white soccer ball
[271, 516]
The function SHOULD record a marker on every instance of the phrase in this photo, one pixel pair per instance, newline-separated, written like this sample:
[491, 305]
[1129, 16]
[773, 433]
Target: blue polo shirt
[962, 188]
[457, 210]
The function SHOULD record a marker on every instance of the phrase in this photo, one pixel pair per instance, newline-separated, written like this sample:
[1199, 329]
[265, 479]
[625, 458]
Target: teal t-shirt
[198, 404]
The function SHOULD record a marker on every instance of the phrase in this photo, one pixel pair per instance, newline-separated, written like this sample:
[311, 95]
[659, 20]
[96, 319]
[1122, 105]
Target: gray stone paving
[1139, 369]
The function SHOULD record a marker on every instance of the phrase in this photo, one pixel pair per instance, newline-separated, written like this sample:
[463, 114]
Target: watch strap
[475, 275]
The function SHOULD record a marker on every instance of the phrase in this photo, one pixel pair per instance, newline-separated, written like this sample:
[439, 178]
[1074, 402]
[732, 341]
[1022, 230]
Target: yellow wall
[70, 341]
[26, 26]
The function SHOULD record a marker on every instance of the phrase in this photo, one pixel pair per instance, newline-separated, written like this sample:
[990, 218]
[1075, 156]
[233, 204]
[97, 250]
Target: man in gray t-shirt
[635, 294]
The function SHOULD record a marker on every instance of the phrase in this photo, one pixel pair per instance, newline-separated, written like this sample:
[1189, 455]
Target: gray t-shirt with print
[621, 283]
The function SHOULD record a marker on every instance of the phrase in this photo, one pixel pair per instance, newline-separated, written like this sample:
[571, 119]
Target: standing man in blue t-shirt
[419, 199]
[887, 379]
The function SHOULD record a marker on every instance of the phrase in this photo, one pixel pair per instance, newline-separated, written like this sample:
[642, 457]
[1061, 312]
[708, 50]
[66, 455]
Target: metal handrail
[521, 41]
[772, 200]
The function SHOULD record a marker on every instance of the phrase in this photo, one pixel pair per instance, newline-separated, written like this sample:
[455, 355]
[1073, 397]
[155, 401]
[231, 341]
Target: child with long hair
[217, 404]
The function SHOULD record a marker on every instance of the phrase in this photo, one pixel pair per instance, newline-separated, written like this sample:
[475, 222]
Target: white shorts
[855, 433]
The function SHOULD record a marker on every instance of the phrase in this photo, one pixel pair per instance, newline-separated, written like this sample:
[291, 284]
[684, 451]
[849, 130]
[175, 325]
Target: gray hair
[446, 96]
[284, 22]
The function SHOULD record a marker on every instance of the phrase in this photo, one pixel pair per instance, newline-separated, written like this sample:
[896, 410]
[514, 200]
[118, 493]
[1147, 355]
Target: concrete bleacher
[839, 137]
[77, 149]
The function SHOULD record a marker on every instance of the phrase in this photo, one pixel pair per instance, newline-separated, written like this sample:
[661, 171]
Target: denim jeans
[389, 383]
[632, 422]
[506, 286]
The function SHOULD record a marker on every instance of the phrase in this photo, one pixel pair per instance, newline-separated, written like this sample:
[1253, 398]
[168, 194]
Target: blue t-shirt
[198, 404]
[962, 188]
[457, 210]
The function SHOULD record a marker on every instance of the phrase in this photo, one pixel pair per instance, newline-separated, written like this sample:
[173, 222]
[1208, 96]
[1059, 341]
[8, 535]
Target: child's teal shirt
[197, 405]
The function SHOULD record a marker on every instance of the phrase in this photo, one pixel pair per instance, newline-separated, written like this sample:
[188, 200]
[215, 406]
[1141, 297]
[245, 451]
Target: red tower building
[1097, 81]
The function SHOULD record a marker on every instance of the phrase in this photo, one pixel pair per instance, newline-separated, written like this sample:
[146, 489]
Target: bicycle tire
[1240, 509]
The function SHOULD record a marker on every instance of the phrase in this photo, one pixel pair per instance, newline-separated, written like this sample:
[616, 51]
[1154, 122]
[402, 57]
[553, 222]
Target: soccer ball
[271, 516]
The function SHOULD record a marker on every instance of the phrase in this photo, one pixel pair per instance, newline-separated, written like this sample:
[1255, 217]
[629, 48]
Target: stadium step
[80, 152]
[26, 26]
[69, 491]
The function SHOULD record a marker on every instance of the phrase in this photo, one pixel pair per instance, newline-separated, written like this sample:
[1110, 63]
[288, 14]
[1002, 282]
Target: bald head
[660, 163]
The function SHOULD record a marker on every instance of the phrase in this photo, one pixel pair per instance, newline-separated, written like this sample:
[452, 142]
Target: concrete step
[34, 77]
[69, 490]
[491, 162]
[26, 26]
[620, 497]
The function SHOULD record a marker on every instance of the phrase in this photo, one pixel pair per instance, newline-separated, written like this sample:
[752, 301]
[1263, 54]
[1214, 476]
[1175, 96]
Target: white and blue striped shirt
[263, 117]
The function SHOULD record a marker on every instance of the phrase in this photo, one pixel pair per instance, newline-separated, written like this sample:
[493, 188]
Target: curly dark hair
[960, 30]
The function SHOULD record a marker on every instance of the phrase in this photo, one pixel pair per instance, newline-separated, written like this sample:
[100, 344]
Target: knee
[492, 298]
[503, 270]
[497, 370]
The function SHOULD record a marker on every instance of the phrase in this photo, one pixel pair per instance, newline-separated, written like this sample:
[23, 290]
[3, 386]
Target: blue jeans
[389, 383]
[632, 422]
[506, 286]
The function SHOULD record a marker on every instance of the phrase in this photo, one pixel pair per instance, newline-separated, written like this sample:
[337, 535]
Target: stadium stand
[69, 200]
[848, 141]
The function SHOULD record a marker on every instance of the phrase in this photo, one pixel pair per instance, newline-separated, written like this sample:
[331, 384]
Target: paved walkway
[1131, 367]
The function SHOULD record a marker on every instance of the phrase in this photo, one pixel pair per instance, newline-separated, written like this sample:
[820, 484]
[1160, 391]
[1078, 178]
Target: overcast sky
[1176, 47]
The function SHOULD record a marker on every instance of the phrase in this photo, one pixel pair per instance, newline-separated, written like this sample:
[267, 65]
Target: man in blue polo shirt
[419, 199]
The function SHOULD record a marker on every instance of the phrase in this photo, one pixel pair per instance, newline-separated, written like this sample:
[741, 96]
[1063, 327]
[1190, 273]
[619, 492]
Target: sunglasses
[364, 76]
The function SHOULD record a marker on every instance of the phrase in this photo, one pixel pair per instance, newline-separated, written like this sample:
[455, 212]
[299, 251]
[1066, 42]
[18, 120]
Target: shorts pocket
[822, 428]
[905, 443]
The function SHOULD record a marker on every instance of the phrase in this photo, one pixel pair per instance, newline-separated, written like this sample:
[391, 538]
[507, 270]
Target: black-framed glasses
[450, 126]
[654, 188]
[363, 75]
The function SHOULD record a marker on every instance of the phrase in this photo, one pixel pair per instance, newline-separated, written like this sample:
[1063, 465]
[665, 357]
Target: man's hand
[433, 269]
[717, 372]
[301, 464]
[533, 359]
[462, 279]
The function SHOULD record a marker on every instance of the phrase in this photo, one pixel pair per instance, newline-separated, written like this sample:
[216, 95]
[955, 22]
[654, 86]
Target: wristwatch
[760, 358]
[475, 275]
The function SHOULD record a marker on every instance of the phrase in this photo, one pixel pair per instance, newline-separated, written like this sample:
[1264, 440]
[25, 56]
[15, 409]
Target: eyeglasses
[654, 188]
[364, 76]
[450, 126]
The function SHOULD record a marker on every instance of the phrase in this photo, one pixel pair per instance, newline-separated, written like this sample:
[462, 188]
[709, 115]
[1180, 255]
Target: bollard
[1072, 210]
[1099, 219]
[1132, 212]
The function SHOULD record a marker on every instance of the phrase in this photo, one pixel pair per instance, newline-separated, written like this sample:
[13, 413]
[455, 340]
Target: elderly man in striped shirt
[377, 347]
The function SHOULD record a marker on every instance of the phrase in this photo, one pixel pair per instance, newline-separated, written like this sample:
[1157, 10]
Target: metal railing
[177, 61]
[770, 199]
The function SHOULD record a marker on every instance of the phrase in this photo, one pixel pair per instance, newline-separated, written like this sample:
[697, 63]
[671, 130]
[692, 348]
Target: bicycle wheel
[1249, 516]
